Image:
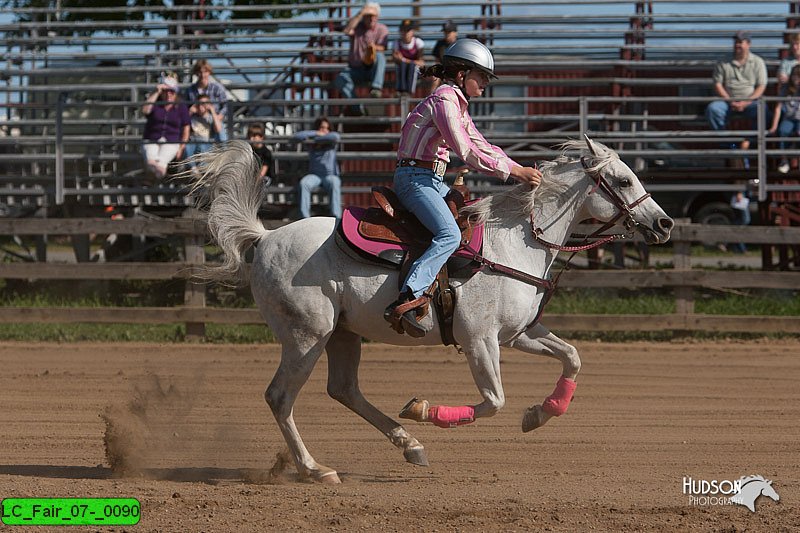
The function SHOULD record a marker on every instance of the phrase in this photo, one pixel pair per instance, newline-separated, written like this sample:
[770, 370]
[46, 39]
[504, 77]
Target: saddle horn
[460, 176]
[589, 144]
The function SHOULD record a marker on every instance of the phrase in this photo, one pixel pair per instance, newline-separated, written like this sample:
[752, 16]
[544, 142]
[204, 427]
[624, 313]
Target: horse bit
[624, 210]
[549, 286]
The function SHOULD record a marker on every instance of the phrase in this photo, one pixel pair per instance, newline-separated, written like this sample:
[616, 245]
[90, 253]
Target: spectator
[791, 60]
[407, 53]
[786, 118]
[323, 170]
[741, 79]
[366, 63]
[741, 211]
[206, 125]
[167, 128]
[450, 31]
[215, 91]
[255, 134]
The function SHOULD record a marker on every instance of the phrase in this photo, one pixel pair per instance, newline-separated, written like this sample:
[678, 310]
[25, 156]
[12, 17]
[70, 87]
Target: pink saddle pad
[390, 252]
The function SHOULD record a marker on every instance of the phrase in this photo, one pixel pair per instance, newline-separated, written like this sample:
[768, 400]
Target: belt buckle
[439, 167]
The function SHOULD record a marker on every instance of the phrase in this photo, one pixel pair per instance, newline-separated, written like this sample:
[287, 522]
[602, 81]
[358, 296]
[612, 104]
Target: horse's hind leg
[539, 340]
[344, 356]
[293, 372]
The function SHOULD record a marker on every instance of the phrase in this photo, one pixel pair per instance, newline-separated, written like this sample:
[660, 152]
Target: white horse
[315, 294]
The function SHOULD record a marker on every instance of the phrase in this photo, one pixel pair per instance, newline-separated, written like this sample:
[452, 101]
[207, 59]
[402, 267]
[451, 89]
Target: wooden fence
[682, 279]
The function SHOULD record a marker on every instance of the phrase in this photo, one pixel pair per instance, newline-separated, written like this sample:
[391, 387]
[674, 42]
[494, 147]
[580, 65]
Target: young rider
[439, 124]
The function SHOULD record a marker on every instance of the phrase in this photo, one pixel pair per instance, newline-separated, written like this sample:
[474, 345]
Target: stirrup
[411, 325]
[404, 315]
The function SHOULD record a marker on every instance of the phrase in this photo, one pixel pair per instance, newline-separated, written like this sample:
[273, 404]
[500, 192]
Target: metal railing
[623, 123]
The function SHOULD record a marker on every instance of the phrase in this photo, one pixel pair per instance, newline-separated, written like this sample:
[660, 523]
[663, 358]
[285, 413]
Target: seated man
[742, 79]
[366, 62]
[323, 170]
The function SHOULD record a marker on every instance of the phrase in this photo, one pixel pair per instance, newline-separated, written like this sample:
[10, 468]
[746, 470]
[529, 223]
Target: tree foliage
[81, 11]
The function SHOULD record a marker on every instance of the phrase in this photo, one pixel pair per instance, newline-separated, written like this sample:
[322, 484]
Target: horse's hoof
[533, 418]
[416, 410]
[416, 456]
[329, 478]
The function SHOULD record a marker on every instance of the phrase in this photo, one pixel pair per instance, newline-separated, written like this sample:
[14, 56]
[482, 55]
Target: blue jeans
[422, 192]
[331, 184]
[719, 111]
[193, 147]
[407, 77]
[788, 127]
[373, 75]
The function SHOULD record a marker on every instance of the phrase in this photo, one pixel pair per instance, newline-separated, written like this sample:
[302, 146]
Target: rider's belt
[437, 166]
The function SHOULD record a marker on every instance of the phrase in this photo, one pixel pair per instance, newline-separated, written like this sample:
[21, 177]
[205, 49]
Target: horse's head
[768, 491]
[619, 196]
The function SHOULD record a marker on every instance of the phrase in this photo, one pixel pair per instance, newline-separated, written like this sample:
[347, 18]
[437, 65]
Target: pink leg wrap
[556, 404]
[450, 417]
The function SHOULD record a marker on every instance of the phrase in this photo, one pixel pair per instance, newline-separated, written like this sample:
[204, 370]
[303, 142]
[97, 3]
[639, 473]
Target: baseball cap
[371, 8]
[170, 82]
[407, 24]
[449, 26]
[742, 35]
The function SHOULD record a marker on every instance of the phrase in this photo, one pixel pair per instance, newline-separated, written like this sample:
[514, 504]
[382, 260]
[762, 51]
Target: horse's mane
[523, 198]
[745, 480]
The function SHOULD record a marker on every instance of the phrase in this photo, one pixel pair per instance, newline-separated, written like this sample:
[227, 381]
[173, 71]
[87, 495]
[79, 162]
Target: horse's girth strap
[445, 301]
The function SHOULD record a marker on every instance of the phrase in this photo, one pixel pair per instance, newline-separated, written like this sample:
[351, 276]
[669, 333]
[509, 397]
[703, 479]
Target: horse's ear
[590, 145]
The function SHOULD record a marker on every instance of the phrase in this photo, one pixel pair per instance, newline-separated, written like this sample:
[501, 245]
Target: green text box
[70, 511]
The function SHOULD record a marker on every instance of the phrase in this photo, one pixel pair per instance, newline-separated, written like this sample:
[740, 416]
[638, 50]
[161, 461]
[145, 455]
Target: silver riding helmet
[470, 52]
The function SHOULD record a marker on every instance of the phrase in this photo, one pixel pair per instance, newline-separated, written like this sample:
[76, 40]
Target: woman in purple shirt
[167, 128]
[439, 124]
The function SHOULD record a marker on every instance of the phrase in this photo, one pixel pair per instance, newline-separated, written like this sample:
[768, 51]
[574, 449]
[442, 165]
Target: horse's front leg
[539, 340]
[484, 362]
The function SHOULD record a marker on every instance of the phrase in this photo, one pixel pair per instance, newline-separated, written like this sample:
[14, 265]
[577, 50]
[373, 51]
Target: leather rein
[624, 210]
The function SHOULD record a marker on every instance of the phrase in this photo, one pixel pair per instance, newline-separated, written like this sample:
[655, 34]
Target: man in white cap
[366, 63]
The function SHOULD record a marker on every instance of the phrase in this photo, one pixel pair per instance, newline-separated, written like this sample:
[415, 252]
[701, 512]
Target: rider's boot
[403, 314]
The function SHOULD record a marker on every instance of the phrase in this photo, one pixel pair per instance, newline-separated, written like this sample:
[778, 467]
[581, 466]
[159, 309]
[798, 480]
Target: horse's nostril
[665, 224]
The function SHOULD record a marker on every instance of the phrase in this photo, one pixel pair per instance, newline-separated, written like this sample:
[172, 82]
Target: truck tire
[716, 213]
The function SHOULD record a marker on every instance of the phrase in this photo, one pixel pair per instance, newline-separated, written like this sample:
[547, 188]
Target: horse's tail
[229, 188]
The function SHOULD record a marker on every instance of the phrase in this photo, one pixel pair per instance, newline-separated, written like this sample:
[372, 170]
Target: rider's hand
[530, 175]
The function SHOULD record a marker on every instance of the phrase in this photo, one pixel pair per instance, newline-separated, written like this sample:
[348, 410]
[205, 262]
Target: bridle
[624, 210]
[548, 286]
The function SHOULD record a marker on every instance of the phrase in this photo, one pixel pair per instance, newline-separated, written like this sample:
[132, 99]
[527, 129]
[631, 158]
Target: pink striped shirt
[441, 123]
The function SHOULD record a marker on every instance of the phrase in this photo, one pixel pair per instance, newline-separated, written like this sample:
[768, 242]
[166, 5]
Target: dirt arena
[192, 423]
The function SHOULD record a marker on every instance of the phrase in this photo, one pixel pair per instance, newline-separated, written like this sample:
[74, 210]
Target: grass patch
[167, 333]
[606, 301]
[658, 302]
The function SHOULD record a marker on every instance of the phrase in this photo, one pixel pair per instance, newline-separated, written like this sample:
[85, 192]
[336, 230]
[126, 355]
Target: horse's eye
[625, 182]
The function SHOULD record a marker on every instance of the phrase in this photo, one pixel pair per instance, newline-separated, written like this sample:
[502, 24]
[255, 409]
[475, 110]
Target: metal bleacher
[632, 74]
